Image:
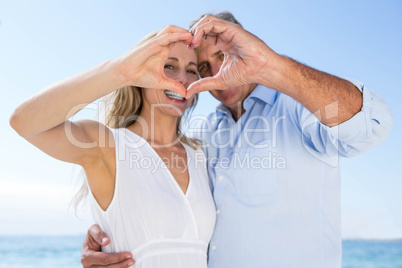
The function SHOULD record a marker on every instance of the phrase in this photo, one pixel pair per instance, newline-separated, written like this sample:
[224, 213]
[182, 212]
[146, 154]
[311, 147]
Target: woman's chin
[173, 111]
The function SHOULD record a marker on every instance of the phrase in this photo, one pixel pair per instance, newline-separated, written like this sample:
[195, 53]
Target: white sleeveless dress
[149, 215]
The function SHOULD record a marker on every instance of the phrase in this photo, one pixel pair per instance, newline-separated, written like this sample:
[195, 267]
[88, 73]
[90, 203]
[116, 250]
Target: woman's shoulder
[101, 134]
[102, 138]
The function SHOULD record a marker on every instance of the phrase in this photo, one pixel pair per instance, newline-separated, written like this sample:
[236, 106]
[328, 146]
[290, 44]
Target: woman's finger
[173, 85]
[171, 38]
[159, 46]
[172, 29]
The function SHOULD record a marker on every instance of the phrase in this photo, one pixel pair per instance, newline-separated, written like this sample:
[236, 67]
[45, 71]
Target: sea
[65, 251]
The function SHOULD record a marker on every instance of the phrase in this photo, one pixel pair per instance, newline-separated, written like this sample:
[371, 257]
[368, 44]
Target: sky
[42, 42]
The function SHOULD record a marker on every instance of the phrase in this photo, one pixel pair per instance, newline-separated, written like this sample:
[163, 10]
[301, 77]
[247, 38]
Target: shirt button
[218, 211]
[220, 178]
[213, 247]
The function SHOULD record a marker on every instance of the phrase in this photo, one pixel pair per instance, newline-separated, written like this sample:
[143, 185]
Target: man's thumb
[98, 235]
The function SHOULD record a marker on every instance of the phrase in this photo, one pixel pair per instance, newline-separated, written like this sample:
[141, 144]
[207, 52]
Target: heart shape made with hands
[245, 55]
[231, 74]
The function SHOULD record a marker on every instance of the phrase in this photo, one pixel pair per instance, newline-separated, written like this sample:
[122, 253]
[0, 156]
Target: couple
[272, 107]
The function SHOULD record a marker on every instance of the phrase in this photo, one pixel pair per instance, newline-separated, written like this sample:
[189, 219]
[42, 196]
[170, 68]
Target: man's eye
[203, 68]
[221, 56]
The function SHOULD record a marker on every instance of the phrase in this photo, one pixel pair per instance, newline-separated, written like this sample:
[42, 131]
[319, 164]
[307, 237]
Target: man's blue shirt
[275, 179]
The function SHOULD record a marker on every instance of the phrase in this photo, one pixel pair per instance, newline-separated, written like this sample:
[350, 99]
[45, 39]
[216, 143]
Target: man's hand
[246, 56]
[248, 60]
[91, 255]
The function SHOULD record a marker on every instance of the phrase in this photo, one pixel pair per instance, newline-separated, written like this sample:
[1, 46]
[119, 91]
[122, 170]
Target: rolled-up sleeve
[366, 129]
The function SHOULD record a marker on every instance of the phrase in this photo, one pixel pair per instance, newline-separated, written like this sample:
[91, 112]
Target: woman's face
[181, 65]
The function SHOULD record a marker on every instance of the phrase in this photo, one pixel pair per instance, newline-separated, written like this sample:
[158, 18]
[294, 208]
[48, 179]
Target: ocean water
[372, 254]
[65, 251]
[40, 251]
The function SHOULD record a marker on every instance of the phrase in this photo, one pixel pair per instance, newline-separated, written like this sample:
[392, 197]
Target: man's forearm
[332, 99]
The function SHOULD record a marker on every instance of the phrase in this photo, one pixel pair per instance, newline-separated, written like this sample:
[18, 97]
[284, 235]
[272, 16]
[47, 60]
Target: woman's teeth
[173, 95]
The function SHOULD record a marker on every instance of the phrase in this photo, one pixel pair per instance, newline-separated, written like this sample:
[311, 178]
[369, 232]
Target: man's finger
[211, 27]
[212, 39]
[208, 83]
[124, 264]
[95, 258]
[204, 20]
[99, 236]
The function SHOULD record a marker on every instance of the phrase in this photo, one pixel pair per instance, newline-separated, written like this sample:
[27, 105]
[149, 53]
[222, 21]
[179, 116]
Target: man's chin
[227, 96]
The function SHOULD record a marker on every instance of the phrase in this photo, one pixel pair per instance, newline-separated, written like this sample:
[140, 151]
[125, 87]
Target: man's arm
[332, 99]
[248, 60]
[91, 255]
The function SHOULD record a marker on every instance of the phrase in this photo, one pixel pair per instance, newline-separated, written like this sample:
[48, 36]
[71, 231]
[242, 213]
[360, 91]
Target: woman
[148, 189]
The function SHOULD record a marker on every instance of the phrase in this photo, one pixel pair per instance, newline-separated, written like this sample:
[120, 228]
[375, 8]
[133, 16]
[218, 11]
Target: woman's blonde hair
[121, 109]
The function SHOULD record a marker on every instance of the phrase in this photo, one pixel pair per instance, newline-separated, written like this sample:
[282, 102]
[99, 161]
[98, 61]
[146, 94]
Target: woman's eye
[168, 66]
[192, 72]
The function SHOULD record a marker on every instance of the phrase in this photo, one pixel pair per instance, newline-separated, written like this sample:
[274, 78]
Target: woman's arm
[56, 103]
[42, 119]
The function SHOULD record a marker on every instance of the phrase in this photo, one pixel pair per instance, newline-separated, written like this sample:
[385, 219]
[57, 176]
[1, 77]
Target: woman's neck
[157, 128]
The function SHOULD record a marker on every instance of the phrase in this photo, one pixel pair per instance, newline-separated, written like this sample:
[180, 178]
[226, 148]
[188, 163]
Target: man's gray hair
[224, 15]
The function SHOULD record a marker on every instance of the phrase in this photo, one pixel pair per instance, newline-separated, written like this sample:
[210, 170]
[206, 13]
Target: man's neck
[237, 111]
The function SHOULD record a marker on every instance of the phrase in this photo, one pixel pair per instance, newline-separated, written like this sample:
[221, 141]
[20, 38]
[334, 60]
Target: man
[272, 148]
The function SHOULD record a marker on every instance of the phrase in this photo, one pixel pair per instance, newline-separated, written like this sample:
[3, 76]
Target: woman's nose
[182, 78]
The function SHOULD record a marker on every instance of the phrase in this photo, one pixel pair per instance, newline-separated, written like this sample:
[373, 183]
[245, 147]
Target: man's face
[210, 59]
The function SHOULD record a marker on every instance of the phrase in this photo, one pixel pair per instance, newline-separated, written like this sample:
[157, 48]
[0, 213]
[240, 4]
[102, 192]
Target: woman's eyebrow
[176, 59]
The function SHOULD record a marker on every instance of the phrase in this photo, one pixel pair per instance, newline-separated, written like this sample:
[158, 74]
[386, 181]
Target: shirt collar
[262, 93]
[222, 109]
[267, 95]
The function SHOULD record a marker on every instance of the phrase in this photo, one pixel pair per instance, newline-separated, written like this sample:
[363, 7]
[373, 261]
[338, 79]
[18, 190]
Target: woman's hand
[142, 66]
